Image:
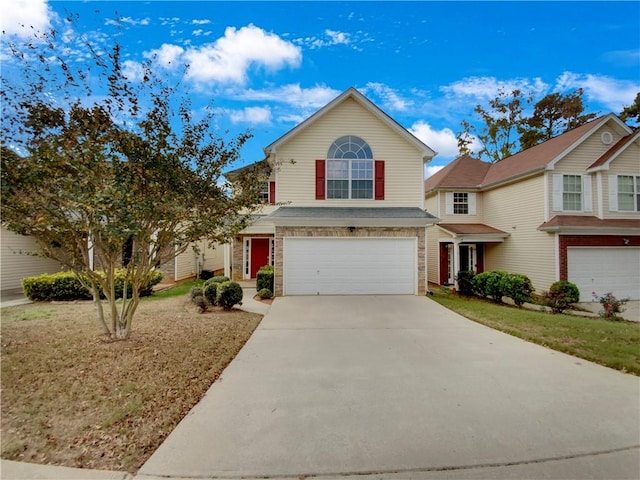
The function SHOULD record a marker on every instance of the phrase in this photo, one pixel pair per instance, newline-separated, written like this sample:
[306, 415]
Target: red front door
[259, 254]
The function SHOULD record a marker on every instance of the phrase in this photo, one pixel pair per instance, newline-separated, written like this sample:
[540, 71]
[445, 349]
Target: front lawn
[615, 344]
[72, 397]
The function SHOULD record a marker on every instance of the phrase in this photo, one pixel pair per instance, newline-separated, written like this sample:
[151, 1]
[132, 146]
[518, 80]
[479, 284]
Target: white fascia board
[353, 222]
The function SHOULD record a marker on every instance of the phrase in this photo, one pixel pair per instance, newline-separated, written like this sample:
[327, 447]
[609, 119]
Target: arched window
[350, 169]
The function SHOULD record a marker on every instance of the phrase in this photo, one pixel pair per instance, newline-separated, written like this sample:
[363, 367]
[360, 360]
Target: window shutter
[557, 192]
[379, 180]
[320, 179]
[471, 197]
[449, 201]
[272, 193]
[587, 197]
[613, 193]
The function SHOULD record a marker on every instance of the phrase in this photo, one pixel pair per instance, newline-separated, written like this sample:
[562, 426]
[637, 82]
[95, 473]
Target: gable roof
[351, 92]
[526, 162]
[619, 147]
[462, 172]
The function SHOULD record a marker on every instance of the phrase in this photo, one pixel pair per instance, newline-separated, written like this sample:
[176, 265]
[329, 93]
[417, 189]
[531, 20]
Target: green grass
[176, 291]
[615, 344]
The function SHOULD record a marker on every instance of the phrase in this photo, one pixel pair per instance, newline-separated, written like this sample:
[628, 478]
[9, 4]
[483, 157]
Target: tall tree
[632, 112]
[101, 169]
[500, 122]
[553, 115]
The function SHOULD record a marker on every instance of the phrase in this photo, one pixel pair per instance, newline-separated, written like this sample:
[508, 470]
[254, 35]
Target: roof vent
[606, 138]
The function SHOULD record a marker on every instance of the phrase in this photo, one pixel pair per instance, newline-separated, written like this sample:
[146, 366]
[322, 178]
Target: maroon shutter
[272, 193]
[320, 180]
[379, 180]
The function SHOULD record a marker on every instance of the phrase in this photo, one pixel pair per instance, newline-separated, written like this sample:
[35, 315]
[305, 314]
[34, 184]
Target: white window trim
[471, 203]
[614, 191]
[586, 194]
[350, 177]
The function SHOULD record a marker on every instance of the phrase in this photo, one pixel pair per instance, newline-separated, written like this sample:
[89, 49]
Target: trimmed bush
[196, 292]
[465, 282]
[265, 293]
[490, 284]
[561, 296]
[228, 295]
[217, 279]
[517, 287]
[67, 286]
[200, 302]
[264, 278]
[55, 286]
[210, 292]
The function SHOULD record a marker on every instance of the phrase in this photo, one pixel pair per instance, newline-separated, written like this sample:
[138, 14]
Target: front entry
[259, 254]
[469, 257]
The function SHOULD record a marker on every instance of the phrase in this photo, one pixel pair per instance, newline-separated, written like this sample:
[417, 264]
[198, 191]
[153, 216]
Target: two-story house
[566, 209]
[345, 206]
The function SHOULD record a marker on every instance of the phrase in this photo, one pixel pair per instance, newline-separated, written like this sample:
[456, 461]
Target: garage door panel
[603, 270]
[337, 266]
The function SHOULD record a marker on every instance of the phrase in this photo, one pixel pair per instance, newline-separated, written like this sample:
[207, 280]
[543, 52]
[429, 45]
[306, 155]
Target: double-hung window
[572, 193]
[264, 192]
[350, 169]
[461, 203]
[629, 193]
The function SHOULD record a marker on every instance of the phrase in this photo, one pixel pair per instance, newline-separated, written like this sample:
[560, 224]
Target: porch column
[456, 261]
[226, 248]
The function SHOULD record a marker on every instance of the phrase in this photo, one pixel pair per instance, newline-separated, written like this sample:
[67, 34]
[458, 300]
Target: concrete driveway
[400, 387]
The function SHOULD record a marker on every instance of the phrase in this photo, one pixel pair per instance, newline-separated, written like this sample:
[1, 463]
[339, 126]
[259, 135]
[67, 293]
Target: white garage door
[603, 270]
[349, 266]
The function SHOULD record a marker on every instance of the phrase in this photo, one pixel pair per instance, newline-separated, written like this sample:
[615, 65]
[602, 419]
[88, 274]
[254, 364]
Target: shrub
[217, 279]
[517, 287]
[490, 284]
[264, 278]
[465, 282]
[611, 306]
[561, 296]
[265, 293]
[55, 286]
[200, 302]
[196, 292]
[67, 286]
[210, 292]
[229, 294]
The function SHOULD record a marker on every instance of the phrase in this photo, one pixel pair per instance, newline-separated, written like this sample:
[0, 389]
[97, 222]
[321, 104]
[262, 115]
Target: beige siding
[627, 163]
[435, 236]
[577, 162]
[295, 176]
[185, 265]
[518, 209]
[15, 265]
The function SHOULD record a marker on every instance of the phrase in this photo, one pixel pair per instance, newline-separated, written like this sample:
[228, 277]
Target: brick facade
[566, 241]
[397, 232]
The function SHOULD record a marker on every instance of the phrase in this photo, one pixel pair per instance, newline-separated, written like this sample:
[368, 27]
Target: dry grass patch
[72, 397]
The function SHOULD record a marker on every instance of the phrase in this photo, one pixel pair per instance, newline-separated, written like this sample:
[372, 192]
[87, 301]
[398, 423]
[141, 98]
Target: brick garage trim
[362, 232]
[567, 241]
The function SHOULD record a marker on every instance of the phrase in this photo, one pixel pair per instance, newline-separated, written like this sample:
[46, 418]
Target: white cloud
[200, 22]
[23, 17]
[228, 59]
[488, 87]
[330, 38]
[127, 20]
[167, 55]
[133, 71]
[251, 115]
[430, 170]
[610, 92]
[293, 95]
[390, 98]
[442, 141]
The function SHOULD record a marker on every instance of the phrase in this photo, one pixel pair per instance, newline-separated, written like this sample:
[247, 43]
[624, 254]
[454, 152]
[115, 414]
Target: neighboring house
[344, 209]
[198, 257]
[567, 209]
[16, 263]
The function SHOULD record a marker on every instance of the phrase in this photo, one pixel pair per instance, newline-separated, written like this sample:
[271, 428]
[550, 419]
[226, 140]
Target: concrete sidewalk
[329, 387]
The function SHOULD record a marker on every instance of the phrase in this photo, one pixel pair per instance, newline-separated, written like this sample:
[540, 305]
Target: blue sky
[269, 65]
